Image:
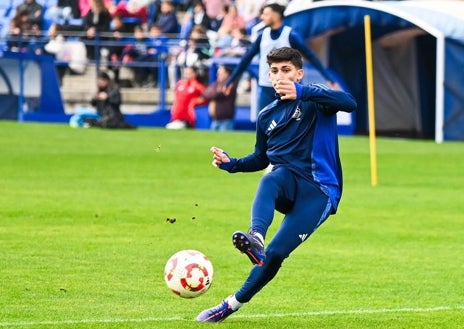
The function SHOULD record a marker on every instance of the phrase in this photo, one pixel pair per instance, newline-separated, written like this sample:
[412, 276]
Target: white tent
[418, 59]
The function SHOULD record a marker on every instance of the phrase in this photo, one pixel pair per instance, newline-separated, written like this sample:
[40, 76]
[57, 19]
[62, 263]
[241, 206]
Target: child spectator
[157, 51]
[167, 18]
[115, 48]
[135, 54]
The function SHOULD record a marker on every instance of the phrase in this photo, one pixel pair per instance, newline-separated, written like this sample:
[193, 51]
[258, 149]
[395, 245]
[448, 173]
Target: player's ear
[299, 75]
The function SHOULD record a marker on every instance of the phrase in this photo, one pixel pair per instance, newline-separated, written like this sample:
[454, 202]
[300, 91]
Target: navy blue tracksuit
[299, 138]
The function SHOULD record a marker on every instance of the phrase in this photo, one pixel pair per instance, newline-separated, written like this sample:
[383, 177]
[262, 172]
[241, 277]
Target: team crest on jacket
[297, 114]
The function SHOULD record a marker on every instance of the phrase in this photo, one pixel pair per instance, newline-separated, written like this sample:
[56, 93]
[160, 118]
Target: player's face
[269, 17]
[285, 71]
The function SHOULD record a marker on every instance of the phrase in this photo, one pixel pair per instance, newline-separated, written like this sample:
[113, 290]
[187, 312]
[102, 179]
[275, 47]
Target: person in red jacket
[187, 95]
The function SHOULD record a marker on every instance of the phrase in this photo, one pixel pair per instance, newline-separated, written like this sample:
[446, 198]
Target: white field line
[238, 315]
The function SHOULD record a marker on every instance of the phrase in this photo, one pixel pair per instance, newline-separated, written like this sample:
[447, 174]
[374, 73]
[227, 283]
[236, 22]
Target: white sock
[260, 237]
[233, 302]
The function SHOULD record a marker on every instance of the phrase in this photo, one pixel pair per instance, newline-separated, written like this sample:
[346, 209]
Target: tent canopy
[418, 49]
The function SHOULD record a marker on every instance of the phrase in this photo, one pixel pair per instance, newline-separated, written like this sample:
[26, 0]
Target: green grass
[84, 237]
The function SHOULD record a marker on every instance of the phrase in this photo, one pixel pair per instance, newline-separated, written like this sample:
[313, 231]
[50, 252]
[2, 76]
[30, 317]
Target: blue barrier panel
[33, 79]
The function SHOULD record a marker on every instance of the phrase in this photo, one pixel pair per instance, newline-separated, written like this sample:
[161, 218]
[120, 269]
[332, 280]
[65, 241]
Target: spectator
[167, 18]
[136, 54]
[70, 55]
[145, 54]
[34, 13]
[115, 48]
[199, 16]
[96, 22]
[187, 95]
[136, 9]
[22, 35]
[157, 50]
[195, 53]
[232, 20]
[250, 11]
[237, 46]
[107, 101]
[85, 6]
[221, 107]
[198, 48]
[63, 12]
[213, 9]
[19, 25]
[222, 41]
[186, 23]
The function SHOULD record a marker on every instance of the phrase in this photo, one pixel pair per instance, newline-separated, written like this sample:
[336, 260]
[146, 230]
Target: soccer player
[297, 134]
[274, 35]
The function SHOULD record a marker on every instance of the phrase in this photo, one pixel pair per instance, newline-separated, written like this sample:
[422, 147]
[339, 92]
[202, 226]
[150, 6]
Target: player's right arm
[255, 161]
[220, 158]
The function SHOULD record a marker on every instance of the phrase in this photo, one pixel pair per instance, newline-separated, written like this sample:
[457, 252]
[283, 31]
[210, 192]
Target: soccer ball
[188, 273]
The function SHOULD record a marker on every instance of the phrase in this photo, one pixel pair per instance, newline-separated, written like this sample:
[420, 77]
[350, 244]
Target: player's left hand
[285, 88]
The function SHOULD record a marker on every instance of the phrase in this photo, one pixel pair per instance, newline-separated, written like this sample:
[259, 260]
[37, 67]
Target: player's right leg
[251, 245]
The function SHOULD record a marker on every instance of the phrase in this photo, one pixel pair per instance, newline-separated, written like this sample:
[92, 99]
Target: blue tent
[418, 56]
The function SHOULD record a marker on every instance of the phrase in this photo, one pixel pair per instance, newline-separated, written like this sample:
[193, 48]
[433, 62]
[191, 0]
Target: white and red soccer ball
[188, 273]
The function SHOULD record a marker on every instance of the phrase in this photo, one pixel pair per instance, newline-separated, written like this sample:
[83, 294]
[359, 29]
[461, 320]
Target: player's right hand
[222, 160]
[219, 156]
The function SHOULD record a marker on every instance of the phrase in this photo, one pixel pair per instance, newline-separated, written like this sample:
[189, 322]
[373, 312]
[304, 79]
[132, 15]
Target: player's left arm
[330, 100]
[298, 43]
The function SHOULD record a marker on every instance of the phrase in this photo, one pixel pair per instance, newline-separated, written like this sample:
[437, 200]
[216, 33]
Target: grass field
[84, 237]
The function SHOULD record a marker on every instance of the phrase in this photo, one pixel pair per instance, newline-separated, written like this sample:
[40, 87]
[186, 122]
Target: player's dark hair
[285, 54]
[276, 8]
